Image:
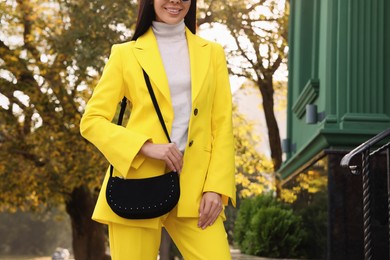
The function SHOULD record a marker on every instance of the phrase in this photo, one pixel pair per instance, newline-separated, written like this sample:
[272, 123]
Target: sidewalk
[236, 255]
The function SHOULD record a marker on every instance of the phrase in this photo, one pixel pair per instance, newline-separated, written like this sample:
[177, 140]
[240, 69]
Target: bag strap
[122, 112]
[156, 107]
[155, 104]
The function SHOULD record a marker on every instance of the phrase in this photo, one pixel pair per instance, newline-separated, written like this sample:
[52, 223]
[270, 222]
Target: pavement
[236, 255]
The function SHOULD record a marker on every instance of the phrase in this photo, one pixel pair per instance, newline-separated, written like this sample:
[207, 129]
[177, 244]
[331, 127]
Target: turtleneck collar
[169, 32]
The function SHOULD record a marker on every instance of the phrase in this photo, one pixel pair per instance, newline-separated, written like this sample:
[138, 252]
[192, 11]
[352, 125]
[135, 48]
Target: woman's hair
[146, 15]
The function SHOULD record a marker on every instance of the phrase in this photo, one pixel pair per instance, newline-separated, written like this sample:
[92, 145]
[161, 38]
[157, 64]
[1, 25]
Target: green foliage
[248, 208]
[266, 227]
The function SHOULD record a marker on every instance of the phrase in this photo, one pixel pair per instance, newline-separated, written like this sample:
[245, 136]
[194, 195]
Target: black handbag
[148, 197]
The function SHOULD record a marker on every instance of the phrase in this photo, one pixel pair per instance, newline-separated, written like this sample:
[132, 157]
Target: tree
[259, 30]
[52, 53]
[252, 168]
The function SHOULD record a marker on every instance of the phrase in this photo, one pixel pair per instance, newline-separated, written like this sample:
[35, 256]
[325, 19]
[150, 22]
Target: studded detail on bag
[143, 198]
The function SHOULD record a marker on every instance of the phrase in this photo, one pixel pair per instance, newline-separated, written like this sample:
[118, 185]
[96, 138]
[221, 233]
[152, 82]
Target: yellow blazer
[209, 155]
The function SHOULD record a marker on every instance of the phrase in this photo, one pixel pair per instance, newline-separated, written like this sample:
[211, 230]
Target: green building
[338, 97]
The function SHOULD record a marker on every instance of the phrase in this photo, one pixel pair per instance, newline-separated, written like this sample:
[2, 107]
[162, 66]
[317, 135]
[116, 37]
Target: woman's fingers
[166, 152]
[177, 159]
[172, 156]
[210, 208]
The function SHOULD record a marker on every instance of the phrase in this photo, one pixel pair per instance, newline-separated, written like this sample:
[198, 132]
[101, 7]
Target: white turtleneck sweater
[172, 44]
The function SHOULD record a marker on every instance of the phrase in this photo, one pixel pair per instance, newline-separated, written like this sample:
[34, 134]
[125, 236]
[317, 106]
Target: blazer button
[191, 143]
[195, 111]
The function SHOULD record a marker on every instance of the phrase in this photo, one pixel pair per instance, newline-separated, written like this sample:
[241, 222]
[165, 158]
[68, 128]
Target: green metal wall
[339, 60]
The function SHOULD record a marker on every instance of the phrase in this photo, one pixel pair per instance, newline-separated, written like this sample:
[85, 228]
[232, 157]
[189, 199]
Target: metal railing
[365, 150]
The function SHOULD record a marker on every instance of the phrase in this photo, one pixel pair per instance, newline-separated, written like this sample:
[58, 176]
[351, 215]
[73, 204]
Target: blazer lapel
[148, 55]
[199, 51]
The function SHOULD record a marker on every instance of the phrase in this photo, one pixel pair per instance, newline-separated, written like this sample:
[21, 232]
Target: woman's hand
[169, 153]
[210, 208]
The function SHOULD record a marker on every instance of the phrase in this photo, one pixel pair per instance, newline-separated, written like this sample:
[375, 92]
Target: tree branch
[52, 76]
[253, 7]
[27, 19]
[276, 65]
[39, 162]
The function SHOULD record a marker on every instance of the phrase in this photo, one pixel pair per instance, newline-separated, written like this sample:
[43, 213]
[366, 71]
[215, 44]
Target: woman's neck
[169, 32]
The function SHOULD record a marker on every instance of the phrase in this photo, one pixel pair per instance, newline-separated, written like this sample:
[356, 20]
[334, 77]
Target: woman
[190, 80]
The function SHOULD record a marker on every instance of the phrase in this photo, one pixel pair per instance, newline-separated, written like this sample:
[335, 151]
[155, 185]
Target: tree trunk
[267, 92]
[89, 240]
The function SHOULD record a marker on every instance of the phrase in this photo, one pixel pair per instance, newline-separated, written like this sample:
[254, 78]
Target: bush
[266, 227]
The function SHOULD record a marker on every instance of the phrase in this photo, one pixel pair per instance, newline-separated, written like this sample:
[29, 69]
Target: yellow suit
[209, 155]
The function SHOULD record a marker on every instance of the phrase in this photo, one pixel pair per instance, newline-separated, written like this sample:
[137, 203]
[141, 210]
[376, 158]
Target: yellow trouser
[135, 243]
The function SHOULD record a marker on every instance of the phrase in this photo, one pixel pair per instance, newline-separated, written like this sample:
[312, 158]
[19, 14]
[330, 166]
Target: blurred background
[309, 84]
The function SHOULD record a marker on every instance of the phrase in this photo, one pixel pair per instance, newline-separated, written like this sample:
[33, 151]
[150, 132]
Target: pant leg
[195, 243]
[133, 243]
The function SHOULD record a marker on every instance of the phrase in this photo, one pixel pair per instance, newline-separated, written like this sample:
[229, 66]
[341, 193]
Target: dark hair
[146, 15]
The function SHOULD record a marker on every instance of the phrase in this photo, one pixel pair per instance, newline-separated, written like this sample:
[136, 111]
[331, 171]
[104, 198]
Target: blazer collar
[147, 53]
